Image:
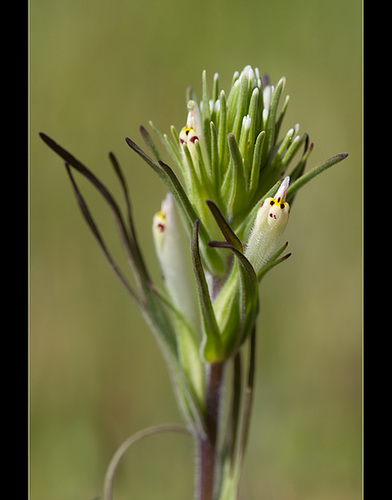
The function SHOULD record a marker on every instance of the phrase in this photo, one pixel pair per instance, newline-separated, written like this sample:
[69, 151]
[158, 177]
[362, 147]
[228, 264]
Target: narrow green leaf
[130, 245]
[205, 170]
[238, 182]
[292, 150]
[281, 116]
[284, 144]
[222, 137]
[308, 176]
[270, 127]
[132, 231]
[232, 103]
[206, 115]
[172, 149]
[256, 164]
[226, 230]
[149, 142]
[176, 137]
[253, 113]
[101, 243]
[212, 347]
[241, 106]
[214, 158]
[299, 169]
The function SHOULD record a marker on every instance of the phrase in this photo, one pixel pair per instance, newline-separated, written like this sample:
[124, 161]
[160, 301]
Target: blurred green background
[97, 71]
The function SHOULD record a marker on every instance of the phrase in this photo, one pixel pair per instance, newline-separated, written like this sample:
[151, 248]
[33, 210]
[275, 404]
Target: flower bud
[170, 253]
[270, 222]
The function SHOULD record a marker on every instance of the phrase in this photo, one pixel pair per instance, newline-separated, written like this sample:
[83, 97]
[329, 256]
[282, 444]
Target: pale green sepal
[222, 139]
[292, 150]
[256, 163]
[284, 144]
[248, 149]
[188, 349]
[191, 175]
[169, 146]
[205, 170]
[270, 126]
[149, 142]
[236, 184]
[206, 114]
[231, 102]
[241, 105]
[281, 116]
[214, 157]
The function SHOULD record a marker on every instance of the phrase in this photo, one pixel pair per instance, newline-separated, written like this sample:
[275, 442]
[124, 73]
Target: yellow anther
[282, 204]
[270, 222]
[188, 135]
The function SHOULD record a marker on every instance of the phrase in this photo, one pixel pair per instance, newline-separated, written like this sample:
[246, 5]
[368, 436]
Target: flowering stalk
[232, 184]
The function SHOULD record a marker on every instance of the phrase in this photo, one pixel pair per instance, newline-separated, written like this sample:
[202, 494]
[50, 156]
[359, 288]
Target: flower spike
[231, 175]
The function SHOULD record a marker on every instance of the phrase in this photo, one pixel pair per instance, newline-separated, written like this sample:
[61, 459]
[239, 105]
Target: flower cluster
[233, 168]
[229, 152]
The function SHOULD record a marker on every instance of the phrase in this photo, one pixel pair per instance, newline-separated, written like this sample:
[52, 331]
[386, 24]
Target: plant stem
[207, 453]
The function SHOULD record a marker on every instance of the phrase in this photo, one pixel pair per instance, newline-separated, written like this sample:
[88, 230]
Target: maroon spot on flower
[193, 138]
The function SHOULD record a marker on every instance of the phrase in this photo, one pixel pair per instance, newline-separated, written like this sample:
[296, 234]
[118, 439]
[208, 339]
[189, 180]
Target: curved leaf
[212, 346]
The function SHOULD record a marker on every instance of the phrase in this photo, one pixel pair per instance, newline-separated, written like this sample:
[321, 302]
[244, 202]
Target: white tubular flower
[192, 132]
[193, 128]
[170, 253]
[270, 222]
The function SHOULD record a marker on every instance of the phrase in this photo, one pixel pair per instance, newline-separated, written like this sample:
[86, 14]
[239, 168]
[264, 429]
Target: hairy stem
[207, 467]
